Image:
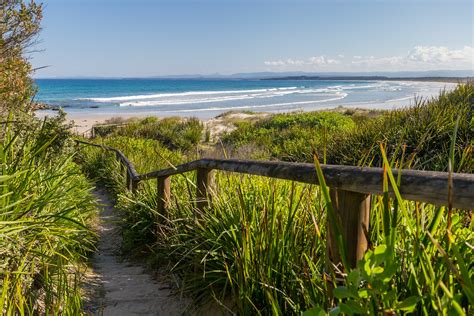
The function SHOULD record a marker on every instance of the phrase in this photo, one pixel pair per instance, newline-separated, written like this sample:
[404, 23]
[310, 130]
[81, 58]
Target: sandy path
[122, 287]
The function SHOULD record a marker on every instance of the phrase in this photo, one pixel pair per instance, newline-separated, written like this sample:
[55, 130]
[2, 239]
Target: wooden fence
[351, 188]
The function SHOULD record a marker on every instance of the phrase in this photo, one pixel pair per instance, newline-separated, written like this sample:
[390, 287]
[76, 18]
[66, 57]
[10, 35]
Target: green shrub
[425, 131]
[174, 133]
[289, 136]
[46, 208]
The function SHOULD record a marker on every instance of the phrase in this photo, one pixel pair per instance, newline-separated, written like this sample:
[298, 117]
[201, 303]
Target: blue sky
[133, 38]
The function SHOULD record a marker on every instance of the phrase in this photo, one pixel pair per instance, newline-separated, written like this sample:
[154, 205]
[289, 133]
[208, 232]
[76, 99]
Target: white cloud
[311, 61]
[440, 55]
[275, 63]
[322, 60]
[418, 58]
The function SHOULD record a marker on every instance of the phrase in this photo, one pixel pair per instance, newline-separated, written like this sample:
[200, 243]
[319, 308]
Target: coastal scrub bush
[20, 23]
[424, 130]
[174, 133]
[46, 205]
[289, 136]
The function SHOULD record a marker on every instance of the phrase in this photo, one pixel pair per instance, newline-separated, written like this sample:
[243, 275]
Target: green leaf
[315, 311]
[408, 304]
[353, 307]
[335, 311]
[377, 270]
[389, 271]
[342, 292]
[363, 293]
[380, 249]
[354, 278]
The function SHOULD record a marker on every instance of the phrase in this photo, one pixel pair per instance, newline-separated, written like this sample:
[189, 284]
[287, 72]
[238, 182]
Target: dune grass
[348, 138]
[46, 210]
[261, 247]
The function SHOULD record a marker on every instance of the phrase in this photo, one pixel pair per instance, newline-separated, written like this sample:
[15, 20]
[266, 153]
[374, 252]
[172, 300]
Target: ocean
[204, 98]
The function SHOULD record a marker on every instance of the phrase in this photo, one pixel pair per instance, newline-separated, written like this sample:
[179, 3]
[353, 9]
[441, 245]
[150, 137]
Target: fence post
[204, 182]
[352, 210]
[164, 195]
[93, 132]
[132, 184]
[129, 181]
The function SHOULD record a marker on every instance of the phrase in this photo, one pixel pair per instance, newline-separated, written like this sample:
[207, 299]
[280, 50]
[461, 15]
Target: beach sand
[83, 122]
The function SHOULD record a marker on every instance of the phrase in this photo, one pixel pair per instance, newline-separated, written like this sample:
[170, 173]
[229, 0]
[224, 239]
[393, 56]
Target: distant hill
[435, 79]
[405, 75]
[365, 75]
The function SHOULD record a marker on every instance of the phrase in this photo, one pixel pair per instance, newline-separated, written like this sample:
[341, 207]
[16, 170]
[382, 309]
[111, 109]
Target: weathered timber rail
[351, 188]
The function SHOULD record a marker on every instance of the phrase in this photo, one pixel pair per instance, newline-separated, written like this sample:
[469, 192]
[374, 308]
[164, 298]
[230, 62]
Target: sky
[141, 38]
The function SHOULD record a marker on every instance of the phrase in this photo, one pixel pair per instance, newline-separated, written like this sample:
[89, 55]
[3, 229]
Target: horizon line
[266, 74]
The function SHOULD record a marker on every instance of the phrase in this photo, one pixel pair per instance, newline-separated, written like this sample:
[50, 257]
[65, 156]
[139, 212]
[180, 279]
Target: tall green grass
[45, 209]
[261, 247]
[348, 138]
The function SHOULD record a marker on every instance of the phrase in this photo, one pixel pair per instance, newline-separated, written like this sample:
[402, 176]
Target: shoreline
[85, 119]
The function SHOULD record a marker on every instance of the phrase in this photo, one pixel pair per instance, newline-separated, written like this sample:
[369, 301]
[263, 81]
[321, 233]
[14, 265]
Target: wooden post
[352, 210]
[204, 182]
[164, 194]
[132, 184]
[129, 181]
[93, 132]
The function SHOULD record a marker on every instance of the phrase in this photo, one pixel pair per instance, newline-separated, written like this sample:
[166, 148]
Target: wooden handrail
[351, 188]
[416, 185]
[123, 159]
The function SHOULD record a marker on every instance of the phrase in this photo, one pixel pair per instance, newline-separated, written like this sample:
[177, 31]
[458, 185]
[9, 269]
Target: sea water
[206, 98]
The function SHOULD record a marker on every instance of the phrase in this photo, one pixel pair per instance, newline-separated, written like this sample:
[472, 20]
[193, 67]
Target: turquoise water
[208, 98]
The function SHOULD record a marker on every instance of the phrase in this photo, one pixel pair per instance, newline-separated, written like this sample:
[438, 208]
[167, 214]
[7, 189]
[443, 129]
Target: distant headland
[378, 78]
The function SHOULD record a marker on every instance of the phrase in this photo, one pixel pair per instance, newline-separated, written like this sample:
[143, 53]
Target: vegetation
[348, 138]
[288, 137]
[18, 29]
[424, 130]
[175, 133]
[261, 247]
[45, 202]
[46, 208]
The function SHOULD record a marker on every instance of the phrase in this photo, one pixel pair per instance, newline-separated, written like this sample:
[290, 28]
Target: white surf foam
[269, 93]
[178, 94]
[242, 107]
